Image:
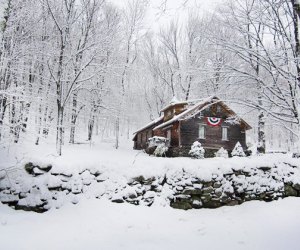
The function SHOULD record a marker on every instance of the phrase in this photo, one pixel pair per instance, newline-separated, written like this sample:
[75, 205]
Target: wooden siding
[159, 132]
[173, 110]
[174, 133]
[141, 138]
[213, 135]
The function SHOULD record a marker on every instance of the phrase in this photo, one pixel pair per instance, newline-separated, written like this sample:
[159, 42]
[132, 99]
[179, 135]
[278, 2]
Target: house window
[201, 131]
[224, 133]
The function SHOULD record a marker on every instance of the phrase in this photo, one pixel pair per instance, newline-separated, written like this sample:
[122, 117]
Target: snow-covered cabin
[209, 121]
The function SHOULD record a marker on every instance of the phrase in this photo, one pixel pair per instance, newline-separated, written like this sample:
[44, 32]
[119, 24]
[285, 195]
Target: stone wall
[186, 191]
[41, 188]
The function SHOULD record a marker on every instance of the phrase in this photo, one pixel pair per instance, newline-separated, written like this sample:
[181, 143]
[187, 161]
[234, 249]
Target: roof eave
[172, 105]
[149, 125]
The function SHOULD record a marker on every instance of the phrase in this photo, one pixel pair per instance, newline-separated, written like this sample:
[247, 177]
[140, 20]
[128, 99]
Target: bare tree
[264, 41]
[133, 15]
[74, 18]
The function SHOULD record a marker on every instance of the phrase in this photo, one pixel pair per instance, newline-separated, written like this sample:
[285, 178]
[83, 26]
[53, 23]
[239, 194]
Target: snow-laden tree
[18, 67]
[222, 153]
[73, 30]
[72, 68]
[265, 44]
[134, 13]
[56, 61]
[197, 151]
[238, 150]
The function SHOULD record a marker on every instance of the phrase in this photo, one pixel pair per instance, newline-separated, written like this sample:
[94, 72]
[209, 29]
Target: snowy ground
[99, 224]
[125, 161]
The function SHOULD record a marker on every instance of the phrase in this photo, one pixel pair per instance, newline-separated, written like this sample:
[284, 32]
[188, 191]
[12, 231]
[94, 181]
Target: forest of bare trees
[74, 69]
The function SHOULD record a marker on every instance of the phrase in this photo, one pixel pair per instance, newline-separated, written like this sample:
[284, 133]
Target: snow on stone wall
[43, 187]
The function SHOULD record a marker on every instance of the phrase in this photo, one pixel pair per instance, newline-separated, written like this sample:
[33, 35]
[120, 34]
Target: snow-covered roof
[197, 108]
[174, 102]
[150, 124]
[186, 112]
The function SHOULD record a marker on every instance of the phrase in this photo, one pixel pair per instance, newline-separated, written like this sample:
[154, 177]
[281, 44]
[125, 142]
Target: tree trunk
[97, 126]
[296, 9]
[39, 122]
[188, 88]
[18, 123]
[13, 116]
[47, 118]
[128, 128]
[25, 120]
[121, 105]
[117, 132]
[60, 129]
[73, 118]
[2, 113]
[261, 145]
[91, 128]
[296, 14]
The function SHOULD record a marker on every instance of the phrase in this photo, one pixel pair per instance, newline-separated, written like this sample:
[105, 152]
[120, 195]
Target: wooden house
[209, 121]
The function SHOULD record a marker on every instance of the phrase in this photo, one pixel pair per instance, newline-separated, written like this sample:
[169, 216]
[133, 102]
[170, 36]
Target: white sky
[177, 9]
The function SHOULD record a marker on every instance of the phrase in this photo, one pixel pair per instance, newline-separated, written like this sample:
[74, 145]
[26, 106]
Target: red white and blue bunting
[213, 121]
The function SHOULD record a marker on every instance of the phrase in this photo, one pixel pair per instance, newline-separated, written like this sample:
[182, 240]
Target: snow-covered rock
[143, 180]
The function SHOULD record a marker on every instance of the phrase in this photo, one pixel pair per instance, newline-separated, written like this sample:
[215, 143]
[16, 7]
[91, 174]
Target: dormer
[174, 108]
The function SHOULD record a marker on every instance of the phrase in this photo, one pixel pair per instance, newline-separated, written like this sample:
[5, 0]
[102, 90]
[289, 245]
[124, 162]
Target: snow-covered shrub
[238, 150]
[197, 151]
[160, 145]
[156, 141]
[222, 153]
[160, 150]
